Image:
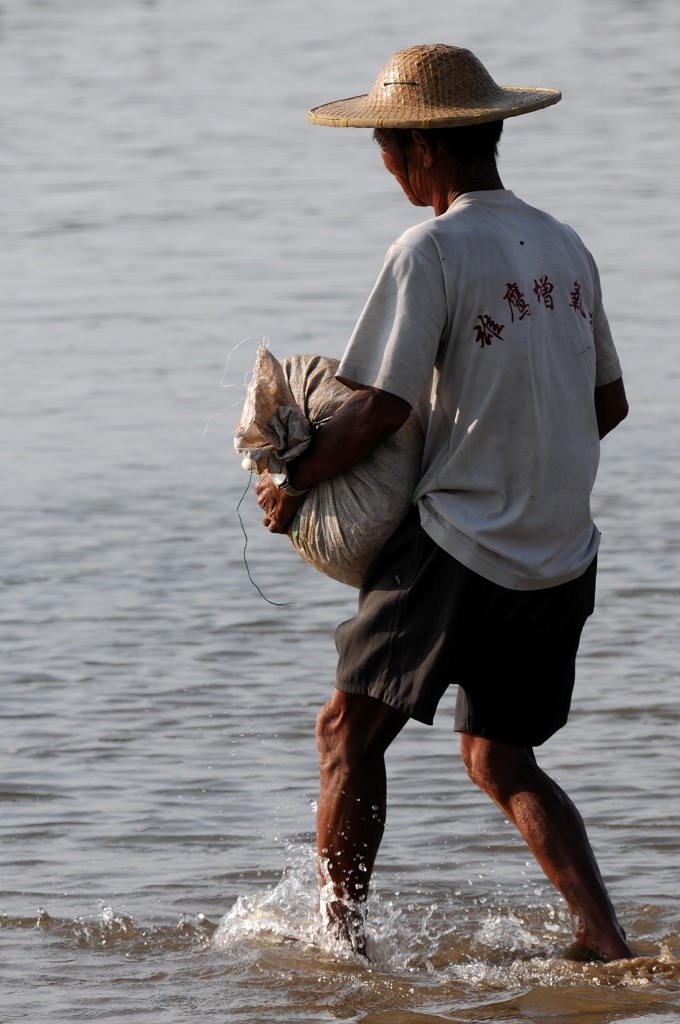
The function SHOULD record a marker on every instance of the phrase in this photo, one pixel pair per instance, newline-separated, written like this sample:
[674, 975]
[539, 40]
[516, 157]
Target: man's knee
[351, 729]
[473, 756]
[492, 765]
[331, 733]
[338, 737]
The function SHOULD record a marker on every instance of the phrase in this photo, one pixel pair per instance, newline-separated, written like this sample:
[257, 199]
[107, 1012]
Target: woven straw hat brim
[364, 112]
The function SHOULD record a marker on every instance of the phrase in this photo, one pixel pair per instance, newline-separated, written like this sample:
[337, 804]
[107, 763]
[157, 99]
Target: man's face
[397, 163]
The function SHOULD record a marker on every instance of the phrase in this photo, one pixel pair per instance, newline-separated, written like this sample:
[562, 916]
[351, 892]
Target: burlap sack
[344, 521]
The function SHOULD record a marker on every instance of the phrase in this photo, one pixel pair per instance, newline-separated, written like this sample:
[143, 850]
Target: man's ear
[425, 147]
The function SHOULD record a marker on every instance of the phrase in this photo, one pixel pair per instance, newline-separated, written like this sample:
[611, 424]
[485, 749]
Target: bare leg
[353, 733]
[554, 832]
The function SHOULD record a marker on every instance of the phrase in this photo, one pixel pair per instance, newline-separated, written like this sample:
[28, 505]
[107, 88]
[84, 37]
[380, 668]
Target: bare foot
[591, 946]
[347, 924]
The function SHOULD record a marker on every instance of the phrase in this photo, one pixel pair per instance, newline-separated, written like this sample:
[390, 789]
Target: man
[489, 318]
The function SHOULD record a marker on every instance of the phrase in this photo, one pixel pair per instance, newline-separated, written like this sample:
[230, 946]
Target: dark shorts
[426, 621]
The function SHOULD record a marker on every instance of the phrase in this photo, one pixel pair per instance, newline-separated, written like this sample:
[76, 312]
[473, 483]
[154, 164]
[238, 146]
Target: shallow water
[165, 199]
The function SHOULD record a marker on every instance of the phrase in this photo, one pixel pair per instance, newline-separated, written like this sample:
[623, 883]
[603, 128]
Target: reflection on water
[164, 199]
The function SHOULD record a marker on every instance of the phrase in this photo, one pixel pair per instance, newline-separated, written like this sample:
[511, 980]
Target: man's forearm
[364, 421]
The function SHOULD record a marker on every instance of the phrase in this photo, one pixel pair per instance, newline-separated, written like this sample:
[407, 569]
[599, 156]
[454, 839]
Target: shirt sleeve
[395, 342]
[607, 365]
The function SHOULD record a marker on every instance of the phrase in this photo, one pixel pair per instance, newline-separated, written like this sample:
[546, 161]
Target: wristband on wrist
[281, 481]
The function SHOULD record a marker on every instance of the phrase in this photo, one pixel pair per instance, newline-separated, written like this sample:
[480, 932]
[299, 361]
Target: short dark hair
[467, 143]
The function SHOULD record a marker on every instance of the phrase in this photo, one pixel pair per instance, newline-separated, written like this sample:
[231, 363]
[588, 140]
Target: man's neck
[459, 180]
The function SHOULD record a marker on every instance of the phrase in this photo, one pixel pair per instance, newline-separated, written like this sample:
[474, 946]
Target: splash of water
[429, 942]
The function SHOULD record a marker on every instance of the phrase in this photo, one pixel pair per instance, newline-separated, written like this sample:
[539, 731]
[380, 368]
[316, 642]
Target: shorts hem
[495, 735]
[424, 717]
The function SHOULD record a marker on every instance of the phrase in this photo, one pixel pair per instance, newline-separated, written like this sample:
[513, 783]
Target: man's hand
[279, 508]
[611, 406]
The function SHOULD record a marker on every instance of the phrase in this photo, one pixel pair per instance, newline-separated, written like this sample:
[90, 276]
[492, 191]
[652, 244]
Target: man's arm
[611, 406]
[364, 421]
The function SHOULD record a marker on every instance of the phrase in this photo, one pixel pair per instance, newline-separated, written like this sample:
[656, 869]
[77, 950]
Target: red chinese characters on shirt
[487, 329]
[577, 300]
[543, 289]
[516, 301]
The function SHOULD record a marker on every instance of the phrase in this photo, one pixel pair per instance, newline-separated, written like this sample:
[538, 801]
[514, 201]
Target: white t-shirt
[490, 318]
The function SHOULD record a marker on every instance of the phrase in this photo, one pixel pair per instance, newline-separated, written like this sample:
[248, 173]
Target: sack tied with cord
[344, 521]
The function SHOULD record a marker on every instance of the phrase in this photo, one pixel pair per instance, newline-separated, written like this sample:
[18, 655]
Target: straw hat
[434, 86]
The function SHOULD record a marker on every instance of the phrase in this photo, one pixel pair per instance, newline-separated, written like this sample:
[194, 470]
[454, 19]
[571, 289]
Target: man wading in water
[489, 318]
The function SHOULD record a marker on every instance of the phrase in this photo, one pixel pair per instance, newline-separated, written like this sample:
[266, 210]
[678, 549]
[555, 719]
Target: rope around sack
[277, 604]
